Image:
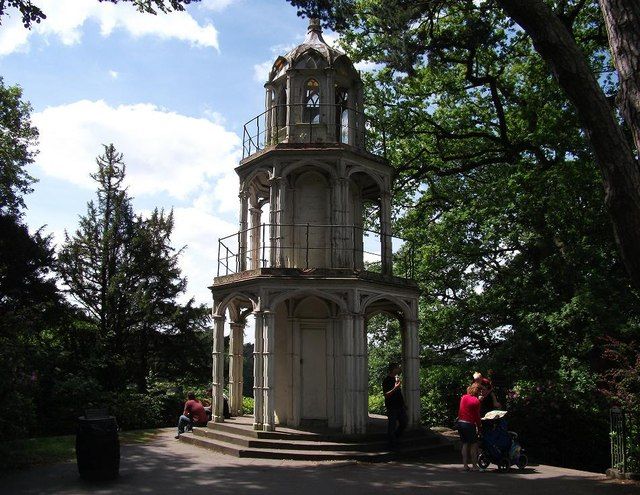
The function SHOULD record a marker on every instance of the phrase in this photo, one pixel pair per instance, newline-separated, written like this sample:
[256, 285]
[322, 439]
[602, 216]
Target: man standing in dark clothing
[394, 403]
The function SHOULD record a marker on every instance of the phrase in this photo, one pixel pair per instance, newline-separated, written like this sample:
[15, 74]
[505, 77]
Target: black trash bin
[97, 446]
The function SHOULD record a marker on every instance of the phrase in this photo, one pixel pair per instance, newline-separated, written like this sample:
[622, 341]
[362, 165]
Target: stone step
[289, 443]
[314, 455]
[289, 434]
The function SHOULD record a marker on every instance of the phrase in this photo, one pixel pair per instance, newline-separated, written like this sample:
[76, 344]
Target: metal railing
[306, 246]
[618, 435]
[322, 123]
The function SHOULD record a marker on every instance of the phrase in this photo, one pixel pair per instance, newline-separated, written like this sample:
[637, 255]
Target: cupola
[313, 95]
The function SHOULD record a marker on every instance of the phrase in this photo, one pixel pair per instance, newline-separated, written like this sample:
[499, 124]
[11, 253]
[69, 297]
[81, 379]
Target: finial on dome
[314, 25]
[314, 33]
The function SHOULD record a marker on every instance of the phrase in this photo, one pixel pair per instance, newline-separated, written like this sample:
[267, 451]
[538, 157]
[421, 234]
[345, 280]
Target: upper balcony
[307, 248]
[302, 124]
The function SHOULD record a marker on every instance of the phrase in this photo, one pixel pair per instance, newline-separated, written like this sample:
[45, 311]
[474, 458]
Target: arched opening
[306, 367]
[311, 110]
[342, 115]
[364, 214]
[384, 346]
[253, 250]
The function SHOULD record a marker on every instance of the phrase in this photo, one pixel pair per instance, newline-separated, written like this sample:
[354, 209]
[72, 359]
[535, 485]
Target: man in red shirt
[194, 414]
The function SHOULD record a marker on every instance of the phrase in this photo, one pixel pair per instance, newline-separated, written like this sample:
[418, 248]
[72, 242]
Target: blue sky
[170, 91]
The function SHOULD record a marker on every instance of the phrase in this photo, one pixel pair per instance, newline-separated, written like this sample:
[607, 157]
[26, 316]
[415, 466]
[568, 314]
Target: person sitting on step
[193, 415]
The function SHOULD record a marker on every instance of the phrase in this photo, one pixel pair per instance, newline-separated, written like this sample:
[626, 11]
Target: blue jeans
[182, 422]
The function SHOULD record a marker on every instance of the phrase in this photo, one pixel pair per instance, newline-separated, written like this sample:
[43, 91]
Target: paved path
[166, 466]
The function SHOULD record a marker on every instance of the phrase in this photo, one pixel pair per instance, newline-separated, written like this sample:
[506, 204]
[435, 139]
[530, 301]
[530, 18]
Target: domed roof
[314, 53]
[315, 41]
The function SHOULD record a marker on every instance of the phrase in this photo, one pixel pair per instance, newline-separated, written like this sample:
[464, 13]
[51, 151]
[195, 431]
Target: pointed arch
[401, 305]
[230, 299]
[283, 296]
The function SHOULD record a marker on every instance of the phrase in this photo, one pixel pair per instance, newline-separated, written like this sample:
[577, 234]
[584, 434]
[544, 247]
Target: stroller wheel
[522, 462]
[483, 460]
[504, 465]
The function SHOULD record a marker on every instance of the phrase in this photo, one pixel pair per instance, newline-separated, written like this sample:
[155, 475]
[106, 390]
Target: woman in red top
[469, 424]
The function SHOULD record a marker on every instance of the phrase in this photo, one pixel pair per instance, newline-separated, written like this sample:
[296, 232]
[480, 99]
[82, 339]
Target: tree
[30, 308]
[18, 139]
[32, 13]
[498, 187]
[622, 19]
[457, 31]
[122, 270]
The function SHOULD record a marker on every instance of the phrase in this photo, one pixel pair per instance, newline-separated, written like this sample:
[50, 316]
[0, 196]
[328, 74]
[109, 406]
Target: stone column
[274, 221]
[217, 399]
[296, 406]
[360, 374]
[360, 118]
[235, 368]
[289, 132]
[349, 398]
[385, 233]
[280, 220]
[256, 213]
[268, 105]
[269, 367]
[328, 107]
[342, 233]
[244, 225]
[411, 366]
[258, 385]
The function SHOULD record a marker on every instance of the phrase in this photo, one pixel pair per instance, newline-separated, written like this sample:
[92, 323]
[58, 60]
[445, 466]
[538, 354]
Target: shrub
[247, 405]
[376, 404]
[556, 427]
[441, 387]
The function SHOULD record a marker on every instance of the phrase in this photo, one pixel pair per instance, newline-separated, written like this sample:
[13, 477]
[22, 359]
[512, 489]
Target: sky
[171, 92]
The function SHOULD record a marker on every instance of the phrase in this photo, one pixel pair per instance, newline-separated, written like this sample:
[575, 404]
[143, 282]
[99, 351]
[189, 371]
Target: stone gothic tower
[303, 262]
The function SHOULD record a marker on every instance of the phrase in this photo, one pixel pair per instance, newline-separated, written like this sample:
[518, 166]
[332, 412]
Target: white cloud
[216, 5]
[199, 230]
[261, 71]
[192, 159]
[164, 151]
[13, 36]
[367, 66]
[66, 18]
[114, 74]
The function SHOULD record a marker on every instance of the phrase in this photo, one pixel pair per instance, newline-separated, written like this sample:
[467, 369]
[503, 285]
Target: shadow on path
[168, 467]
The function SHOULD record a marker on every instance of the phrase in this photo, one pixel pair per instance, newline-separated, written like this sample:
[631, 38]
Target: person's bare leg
[474, 455]
[465, 455]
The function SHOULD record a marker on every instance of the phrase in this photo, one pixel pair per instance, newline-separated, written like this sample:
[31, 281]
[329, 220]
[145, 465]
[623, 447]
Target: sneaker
[177, 436]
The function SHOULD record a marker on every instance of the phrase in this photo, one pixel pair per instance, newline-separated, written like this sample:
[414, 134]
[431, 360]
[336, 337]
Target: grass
[26, 453]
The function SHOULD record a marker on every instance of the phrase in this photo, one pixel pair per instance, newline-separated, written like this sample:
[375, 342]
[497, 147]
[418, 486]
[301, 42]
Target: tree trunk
[622, 18]
[615, 158]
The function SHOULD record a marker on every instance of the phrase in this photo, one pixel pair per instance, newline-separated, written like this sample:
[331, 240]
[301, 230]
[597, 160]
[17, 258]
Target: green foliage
[124, 272]
[376, 403]
[441, 387]
[247, 405]
[621, 384]
[28, 453]
[31, 13]
[32, 452]
[18, 139]
[558, 424]
[498, 192]
[30, 307]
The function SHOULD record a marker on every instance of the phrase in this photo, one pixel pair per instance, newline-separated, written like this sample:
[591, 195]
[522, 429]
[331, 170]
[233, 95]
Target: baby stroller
[498, 445]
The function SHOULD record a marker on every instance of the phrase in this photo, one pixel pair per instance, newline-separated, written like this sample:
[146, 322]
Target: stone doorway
[313, 371]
